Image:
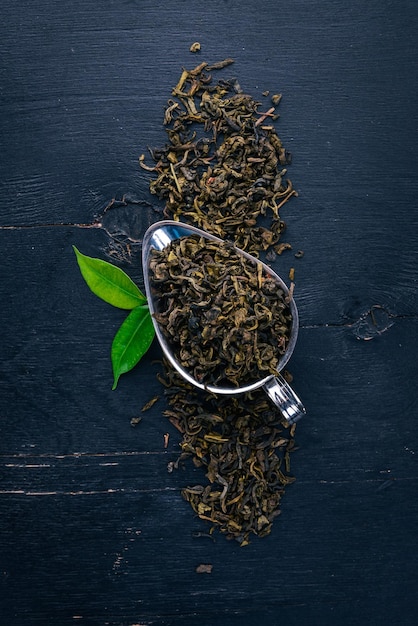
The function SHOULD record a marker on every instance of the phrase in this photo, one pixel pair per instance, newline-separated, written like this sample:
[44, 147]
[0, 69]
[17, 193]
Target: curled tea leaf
[109, 282]
[195, 47]
[131, 341]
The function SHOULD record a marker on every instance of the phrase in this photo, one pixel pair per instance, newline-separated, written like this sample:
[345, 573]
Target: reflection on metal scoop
[160, 235]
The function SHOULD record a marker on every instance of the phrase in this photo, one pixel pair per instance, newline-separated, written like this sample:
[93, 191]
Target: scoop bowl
[160, 235]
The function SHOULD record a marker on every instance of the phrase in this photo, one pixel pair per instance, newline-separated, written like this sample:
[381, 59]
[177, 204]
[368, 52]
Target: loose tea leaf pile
[225, 319]
[223, 166]
[245, 449]
[223, 169]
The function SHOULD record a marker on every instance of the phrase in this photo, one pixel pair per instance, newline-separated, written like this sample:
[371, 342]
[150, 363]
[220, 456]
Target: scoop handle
[283, 396]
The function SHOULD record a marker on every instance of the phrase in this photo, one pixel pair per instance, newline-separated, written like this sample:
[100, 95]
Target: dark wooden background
[93, 529]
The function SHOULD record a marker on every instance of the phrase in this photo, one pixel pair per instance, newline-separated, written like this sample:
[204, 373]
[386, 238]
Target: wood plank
[56, 331]
[91, 556]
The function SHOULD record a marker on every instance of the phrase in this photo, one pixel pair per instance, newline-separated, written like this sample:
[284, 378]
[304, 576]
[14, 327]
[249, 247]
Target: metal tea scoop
[160, 235]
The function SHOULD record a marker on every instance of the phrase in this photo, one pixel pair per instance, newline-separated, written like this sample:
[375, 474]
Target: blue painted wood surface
[93, 528]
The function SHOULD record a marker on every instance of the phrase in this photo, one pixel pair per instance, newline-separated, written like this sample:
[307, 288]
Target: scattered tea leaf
[109, 282]
[204, 568]
[150, 403]
[131, 341]
[282, 247]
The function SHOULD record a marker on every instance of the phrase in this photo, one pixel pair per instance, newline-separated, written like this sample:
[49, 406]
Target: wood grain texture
[93, 528]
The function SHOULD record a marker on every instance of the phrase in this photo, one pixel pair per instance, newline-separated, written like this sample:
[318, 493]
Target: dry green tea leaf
[225, 327]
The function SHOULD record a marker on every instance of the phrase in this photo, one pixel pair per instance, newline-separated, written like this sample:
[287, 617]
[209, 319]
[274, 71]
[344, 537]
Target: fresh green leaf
[131, 341]
[109, 283]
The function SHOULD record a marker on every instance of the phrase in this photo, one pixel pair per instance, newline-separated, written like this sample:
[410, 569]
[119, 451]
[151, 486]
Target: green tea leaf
[131, 341]
[109, 283]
